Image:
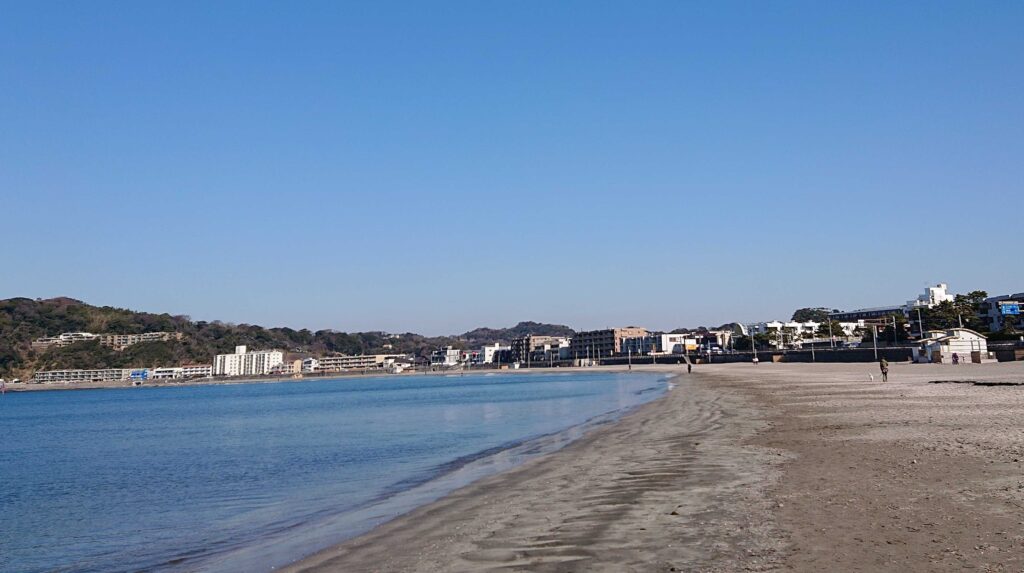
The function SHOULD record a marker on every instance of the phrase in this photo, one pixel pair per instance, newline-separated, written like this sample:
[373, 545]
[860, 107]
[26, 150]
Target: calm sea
[248, 477]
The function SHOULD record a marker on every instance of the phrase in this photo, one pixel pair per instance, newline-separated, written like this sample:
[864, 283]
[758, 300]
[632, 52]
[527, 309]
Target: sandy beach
[795, 467]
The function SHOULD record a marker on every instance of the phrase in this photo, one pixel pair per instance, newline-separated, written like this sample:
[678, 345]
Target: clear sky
[437, 166]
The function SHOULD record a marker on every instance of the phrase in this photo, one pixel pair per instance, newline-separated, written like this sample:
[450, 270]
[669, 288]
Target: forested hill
[482, 336]
[23, 320]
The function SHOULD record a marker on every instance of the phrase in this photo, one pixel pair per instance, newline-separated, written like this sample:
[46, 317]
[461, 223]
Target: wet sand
[794, 467]
[671, 485]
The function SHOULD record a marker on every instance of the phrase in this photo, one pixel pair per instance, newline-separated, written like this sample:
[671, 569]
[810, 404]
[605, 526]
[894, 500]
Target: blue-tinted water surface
[251, 476]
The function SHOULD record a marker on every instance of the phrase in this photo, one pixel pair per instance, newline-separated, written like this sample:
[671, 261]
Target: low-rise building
[808, 329]
[78, 376]
[538, 348]
[660, 344]
[603, 343]
[121, 341]
[939, 346]
[310, 365]
[997, 310]
[116, 341]
[876, 316]
[197, 371]
[359, 362]
[287, 368]
[491, 353]
[446, 357]
[62, 340]
[167, 373]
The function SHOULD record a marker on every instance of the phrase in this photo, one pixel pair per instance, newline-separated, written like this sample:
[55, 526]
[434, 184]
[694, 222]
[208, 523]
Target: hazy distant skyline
[439, 167]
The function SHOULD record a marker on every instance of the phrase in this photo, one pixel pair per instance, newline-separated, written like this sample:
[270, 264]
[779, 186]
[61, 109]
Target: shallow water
[248, 477]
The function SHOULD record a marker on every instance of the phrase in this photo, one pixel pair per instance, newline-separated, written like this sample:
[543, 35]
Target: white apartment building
[807, 329]
[74, 376]
[489, 352]
[167, 373]
[181, 372]
[931, 297]
[244, 363]
[310, 365]
[445, 357]
[116, 341]
[360, 362]
[62, 340]
[197, 371]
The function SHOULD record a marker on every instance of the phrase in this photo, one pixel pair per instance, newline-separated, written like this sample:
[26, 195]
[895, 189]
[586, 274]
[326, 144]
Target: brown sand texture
[775, 467]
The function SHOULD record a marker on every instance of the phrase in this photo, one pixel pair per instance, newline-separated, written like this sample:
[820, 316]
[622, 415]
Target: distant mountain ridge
[23, 320]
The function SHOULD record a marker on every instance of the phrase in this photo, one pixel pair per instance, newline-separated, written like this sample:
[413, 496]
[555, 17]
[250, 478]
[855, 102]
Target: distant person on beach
[689, 367]
[883, 365]
[956, 359]
[756, 361]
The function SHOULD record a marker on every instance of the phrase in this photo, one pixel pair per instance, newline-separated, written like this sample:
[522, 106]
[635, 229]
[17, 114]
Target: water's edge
[294, 541]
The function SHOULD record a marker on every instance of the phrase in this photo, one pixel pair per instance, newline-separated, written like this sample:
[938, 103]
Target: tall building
[603, 343]
[243, 363]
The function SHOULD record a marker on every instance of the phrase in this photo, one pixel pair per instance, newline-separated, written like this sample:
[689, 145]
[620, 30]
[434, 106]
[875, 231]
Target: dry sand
[776, 467]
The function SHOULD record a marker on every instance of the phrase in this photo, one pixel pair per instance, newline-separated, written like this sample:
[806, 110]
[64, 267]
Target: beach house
[939, 346]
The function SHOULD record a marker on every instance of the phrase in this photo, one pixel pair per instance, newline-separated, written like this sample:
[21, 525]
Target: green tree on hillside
[811, 315]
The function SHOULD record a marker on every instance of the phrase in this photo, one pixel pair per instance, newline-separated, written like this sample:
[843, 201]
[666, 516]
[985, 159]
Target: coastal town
[935, 327]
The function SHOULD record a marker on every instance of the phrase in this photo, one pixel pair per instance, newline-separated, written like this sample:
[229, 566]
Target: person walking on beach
[883, 365]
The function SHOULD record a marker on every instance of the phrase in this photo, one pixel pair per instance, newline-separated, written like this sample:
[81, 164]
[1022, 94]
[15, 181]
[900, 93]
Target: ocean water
[249, 477]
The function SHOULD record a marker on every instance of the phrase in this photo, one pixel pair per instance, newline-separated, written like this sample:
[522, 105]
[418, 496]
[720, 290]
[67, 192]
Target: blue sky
[434, 167]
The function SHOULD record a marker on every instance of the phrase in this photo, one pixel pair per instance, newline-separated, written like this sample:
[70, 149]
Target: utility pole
[894, 341]
[874, 338]
[630, 350]
[831, 338]
[920, 324]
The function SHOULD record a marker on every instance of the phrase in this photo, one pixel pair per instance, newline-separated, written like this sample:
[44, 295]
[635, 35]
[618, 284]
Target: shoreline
[576, 507]
[23, 387]
[408, 496]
